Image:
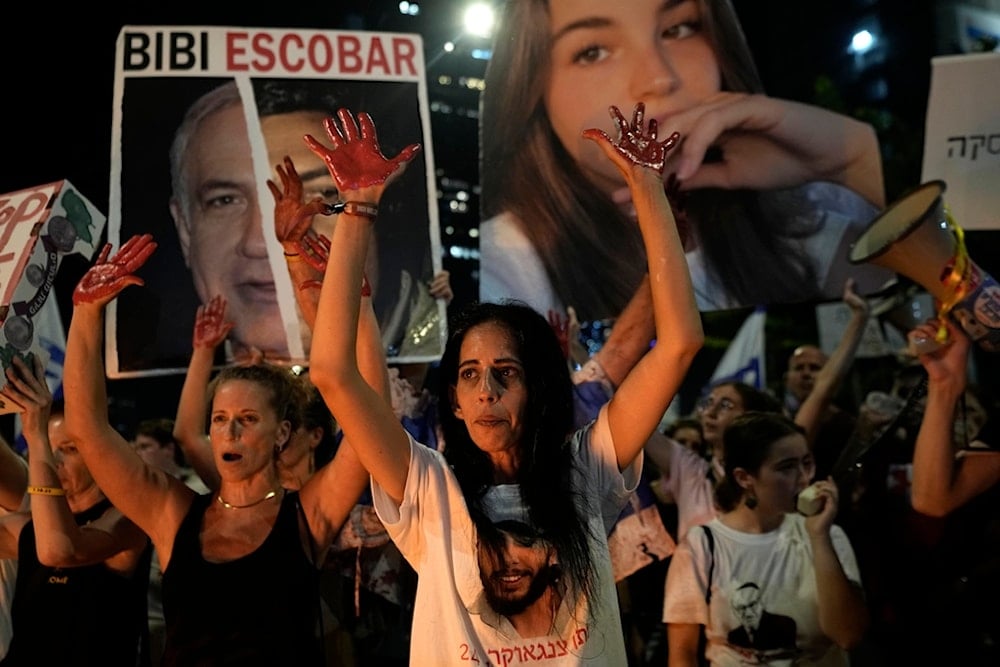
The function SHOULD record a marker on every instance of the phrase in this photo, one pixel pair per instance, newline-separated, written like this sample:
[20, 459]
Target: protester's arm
[333, 491]
[293, 227]
[942, 483]
[13, 476]
[843, 615]
[210, 330]
[682, 644]
[151, 498]
[659, 448]
[60, 542]
[637, 406]
[361, 173]
[831, 376]
[631, 335]
[329, 496]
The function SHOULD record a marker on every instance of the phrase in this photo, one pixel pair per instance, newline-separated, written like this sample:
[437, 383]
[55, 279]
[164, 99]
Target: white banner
[962, 141]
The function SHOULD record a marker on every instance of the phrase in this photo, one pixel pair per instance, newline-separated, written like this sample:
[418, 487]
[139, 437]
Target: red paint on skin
[292, 217]
[639, 146]
[210, 325]
[107, 278]
[356, 161]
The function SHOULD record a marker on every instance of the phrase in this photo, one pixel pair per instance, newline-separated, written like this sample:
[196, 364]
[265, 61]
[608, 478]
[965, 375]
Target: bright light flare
[862, 42]
[478, 19]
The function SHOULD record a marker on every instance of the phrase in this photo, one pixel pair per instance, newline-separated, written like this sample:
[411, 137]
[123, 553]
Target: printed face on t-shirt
[518, 576]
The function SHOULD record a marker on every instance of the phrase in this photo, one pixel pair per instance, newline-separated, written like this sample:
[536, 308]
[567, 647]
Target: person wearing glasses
[689, 477]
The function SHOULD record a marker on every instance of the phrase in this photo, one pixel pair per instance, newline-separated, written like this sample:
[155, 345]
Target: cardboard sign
[38, 227]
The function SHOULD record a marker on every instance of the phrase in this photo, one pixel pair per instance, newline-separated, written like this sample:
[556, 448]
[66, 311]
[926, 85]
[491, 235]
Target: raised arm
[832, 375]
[330, 495]
[333, 491]
[635, 410]
[210, 330]
[60, 542]
[361, 173]
[942, 483]
[302, 247]
[843, 615]
[154, 500]
[631, 335]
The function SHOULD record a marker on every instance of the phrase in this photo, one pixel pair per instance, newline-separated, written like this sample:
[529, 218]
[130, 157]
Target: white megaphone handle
[809, 501]
[921, 344]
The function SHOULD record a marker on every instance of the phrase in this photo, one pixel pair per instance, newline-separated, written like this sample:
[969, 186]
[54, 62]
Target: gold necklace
[229, 506]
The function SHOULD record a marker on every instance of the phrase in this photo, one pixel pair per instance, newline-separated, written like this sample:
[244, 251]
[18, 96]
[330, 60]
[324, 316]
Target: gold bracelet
[362, 209]
[293, 257]
[46, 491]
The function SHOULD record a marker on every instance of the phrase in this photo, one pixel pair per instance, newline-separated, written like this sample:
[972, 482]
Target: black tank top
[85, 615]
[260, 609]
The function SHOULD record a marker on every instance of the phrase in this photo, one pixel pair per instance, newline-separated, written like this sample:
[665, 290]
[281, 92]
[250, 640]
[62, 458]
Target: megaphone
[916, 237]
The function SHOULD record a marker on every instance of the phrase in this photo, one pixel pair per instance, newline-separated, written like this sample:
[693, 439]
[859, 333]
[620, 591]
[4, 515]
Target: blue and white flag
[744, 360]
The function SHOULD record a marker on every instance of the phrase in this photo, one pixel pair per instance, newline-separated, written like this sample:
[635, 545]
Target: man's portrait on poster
[192, 153]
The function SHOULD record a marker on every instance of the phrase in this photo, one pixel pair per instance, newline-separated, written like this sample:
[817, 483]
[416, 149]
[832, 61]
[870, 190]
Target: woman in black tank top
[240, 565]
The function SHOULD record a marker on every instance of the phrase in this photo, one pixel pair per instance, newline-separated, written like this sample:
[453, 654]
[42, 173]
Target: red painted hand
[356, 161]
[210, 324]
[107, 278]
[315, 249]
[292, 218]
[636, 144]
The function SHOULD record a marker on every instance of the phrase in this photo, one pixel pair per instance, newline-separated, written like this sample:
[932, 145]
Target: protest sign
[202, 115]
[39, 226]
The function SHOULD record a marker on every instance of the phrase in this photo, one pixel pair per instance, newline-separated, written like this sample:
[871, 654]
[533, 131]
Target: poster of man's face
[195, 155]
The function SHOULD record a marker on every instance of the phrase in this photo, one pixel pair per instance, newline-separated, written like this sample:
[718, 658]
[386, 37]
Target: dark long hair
[545, 473]
[593, 254]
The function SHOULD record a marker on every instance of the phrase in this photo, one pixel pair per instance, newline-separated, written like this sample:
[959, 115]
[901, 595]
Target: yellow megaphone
[916, 237]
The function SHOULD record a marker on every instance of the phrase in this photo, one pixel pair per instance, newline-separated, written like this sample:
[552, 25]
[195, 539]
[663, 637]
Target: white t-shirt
[452, 624]
[690, 486]
[510, 267]
[771, 573]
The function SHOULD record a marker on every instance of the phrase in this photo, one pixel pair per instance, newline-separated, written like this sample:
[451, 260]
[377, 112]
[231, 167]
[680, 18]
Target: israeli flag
[744, 359]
